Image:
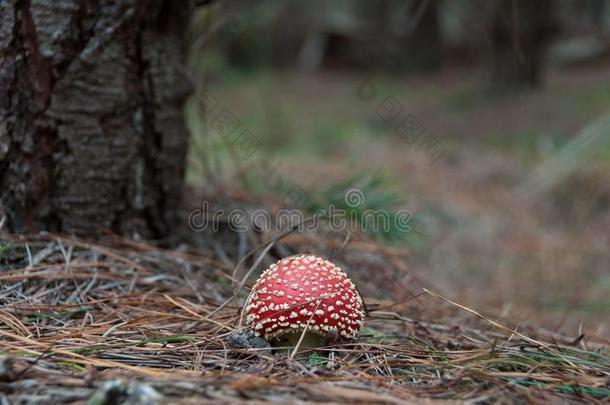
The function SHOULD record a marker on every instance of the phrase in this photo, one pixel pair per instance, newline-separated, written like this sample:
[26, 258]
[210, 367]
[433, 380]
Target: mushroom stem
[291, 339]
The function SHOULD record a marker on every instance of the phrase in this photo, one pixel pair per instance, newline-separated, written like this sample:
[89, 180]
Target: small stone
[247, 340]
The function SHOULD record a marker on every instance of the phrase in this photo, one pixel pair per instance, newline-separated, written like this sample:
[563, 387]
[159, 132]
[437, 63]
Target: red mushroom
[304, 292]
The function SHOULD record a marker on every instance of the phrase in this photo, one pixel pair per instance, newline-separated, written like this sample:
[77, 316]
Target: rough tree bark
[92, 135]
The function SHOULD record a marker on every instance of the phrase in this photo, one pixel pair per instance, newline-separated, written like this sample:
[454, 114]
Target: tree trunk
[422, 37]
[520, 32]
[404, 34]
[92, 135]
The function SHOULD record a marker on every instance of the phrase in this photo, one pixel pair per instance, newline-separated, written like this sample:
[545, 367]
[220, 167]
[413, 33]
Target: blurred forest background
[511, 202]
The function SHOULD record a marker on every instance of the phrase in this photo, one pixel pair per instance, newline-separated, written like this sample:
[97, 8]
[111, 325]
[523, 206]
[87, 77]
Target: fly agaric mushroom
[304, 293]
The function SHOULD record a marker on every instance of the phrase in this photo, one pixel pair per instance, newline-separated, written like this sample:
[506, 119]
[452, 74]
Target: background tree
[92, 133]
[520, 32]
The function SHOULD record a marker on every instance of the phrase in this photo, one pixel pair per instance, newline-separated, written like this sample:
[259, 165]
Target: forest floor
[122, 322]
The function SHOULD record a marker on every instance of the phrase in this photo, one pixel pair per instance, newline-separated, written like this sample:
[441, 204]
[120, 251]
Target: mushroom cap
[305, 291]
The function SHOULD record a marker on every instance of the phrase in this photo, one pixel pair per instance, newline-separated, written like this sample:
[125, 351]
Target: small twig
[195, 314]
[397, 303]
[30, 260]
[342, 246]
[267, 246]
[298, 345]
[500, 326]
[32, 364]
